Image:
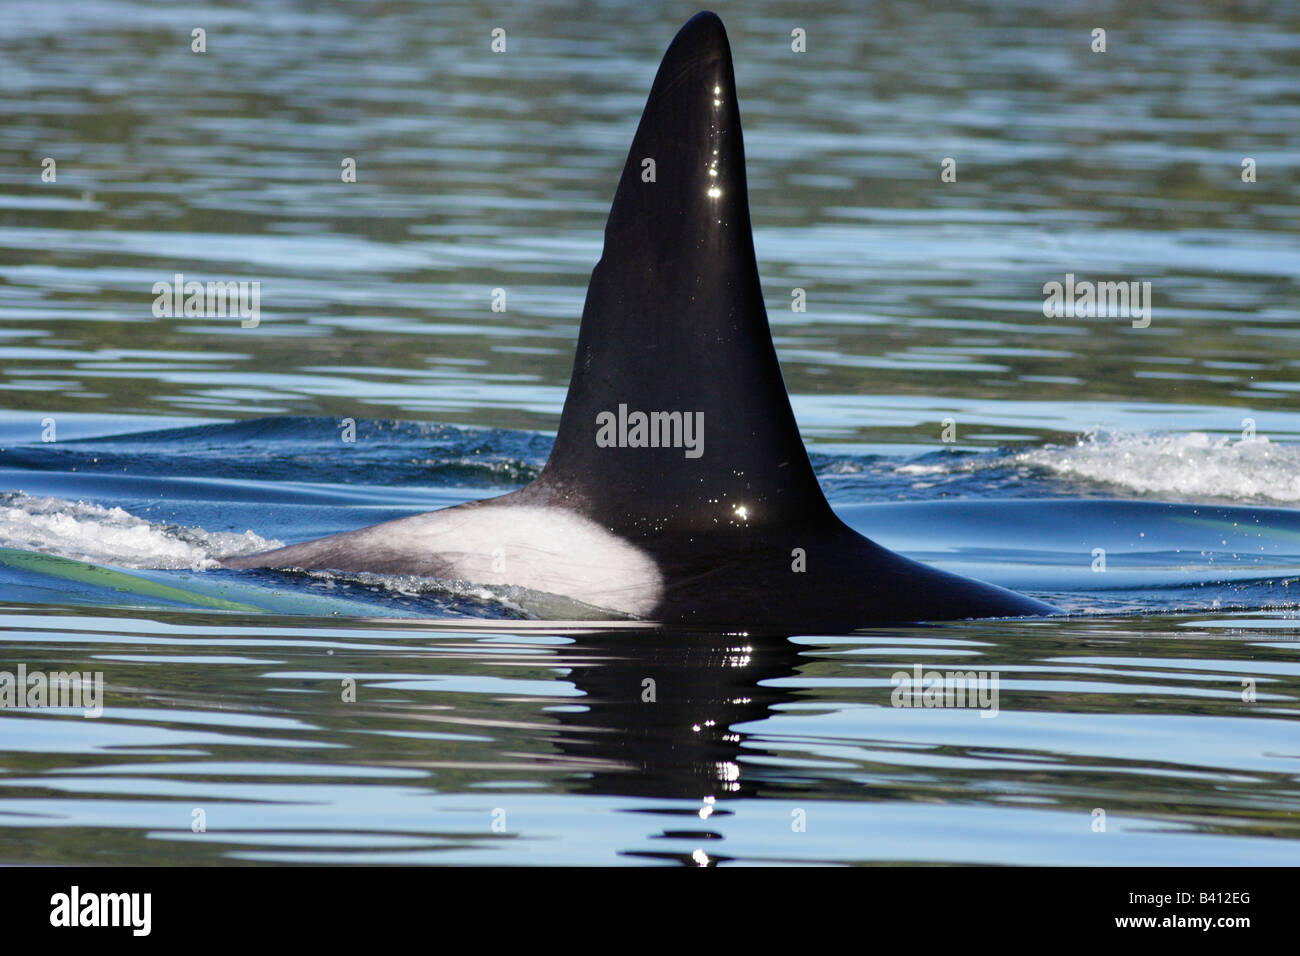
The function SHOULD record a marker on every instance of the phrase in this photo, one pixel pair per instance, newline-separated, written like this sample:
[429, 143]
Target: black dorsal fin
[674, 322]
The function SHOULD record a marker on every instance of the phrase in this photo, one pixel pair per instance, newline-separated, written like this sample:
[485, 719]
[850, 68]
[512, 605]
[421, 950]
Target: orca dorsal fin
[674, 322]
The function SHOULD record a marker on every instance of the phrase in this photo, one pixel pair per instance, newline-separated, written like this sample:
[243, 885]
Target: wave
[90, 532]
[1023, 518]
[1189, 465]
[334, 450]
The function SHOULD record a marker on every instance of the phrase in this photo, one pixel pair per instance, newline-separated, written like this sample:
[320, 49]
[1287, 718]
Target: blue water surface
[1144, 480]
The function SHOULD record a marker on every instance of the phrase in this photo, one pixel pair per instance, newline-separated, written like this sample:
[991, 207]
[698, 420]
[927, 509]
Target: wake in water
[1034, 520]
[1191, 466]
[90, 532]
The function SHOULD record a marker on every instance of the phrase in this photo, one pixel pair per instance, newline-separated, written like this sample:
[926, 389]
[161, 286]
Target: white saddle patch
[542, 549]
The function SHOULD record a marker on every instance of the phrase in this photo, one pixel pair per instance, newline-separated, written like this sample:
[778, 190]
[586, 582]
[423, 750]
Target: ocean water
[1145, 480]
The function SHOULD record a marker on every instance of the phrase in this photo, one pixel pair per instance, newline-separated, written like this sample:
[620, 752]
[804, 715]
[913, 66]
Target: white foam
[90, 532]
[1190, 465]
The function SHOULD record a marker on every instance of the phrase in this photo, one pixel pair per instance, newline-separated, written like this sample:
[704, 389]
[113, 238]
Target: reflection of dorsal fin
[674, 322]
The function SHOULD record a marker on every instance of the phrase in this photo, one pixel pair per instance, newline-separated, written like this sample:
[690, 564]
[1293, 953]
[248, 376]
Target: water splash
[91, 532]
[1191, 465]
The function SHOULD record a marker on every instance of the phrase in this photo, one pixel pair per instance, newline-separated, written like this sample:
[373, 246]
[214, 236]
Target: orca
[678, 489]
